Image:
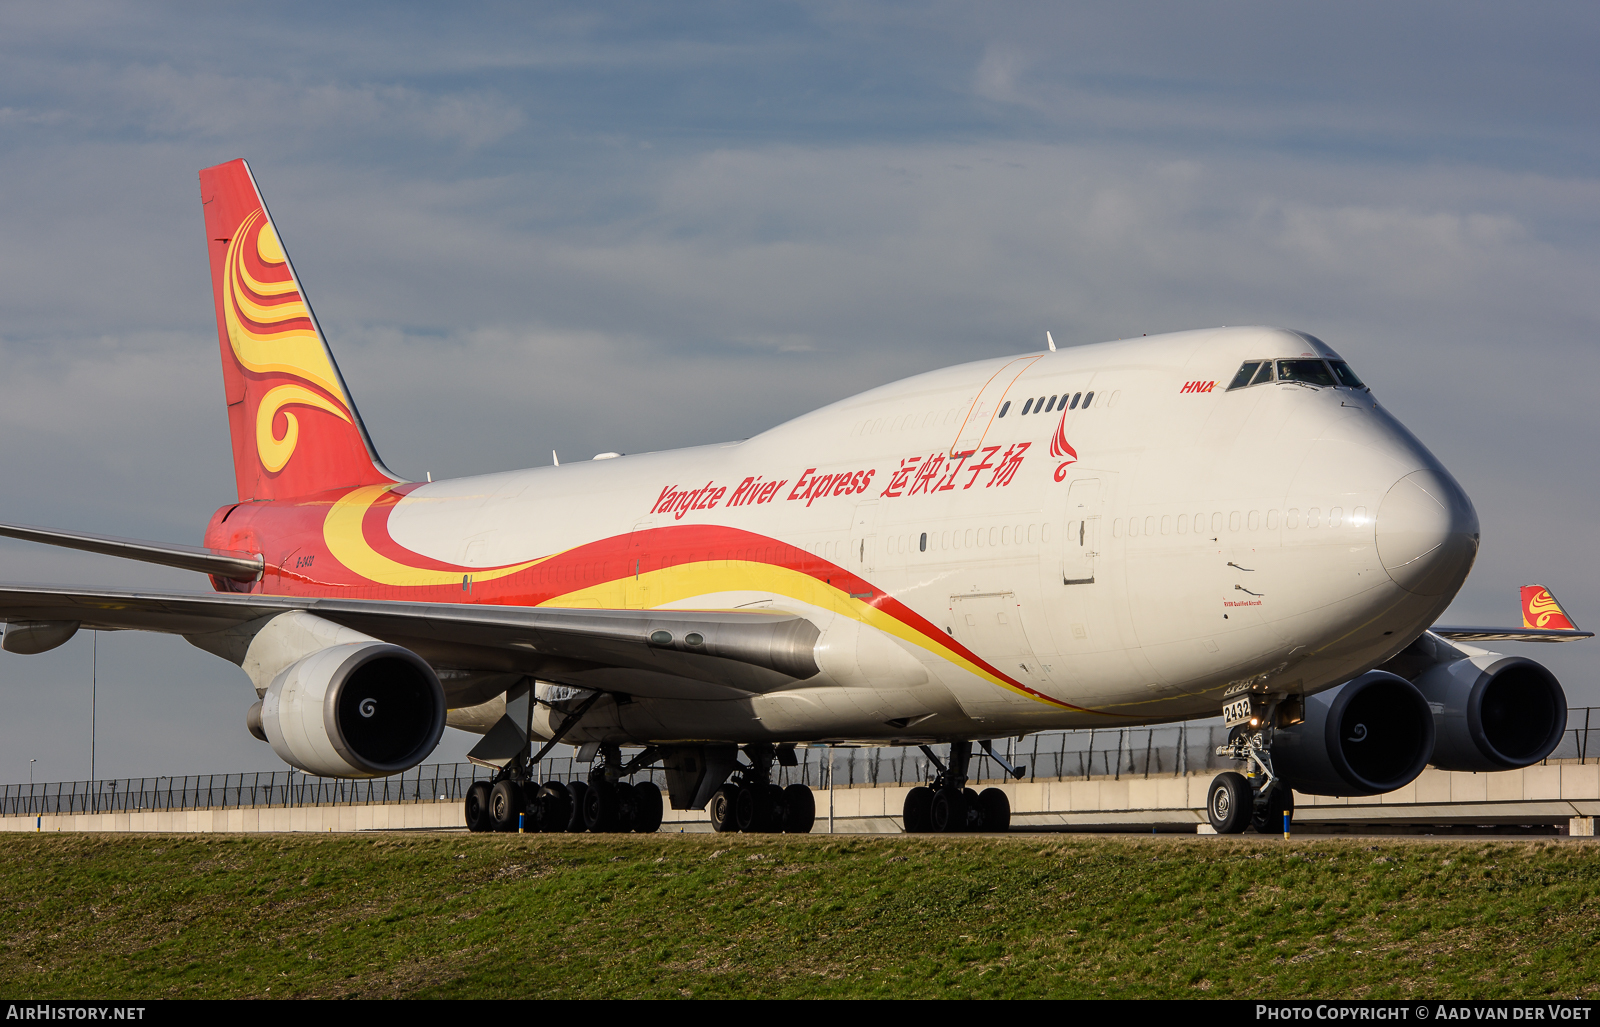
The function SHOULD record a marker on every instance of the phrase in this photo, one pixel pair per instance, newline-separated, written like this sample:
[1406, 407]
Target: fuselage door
[1079, 549]
[637, 590]
[864, 539]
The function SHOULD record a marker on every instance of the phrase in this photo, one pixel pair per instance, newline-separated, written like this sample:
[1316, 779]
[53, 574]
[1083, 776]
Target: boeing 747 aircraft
[1128, 533]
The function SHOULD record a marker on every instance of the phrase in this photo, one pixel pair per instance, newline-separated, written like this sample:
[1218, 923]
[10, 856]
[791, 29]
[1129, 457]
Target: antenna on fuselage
[557, 459]
[1050, 341]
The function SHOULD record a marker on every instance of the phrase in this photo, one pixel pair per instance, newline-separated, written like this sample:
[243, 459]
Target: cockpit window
[1311, 372]
[1242, 379]
[1263, 375]
[1347, 377]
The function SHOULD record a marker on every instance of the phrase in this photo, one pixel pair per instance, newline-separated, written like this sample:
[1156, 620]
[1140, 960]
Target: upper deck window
[1308, 371]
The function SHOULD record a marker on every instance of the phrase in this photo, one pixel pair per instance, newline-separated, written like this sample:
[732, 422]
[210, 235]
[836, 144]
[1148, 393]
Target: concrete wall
[1548, 794]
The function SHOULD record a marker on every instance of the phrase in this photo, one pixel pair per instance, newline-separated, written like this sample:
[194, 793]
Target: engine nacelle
[1370, 735]
[360, 709]
[1493, 712]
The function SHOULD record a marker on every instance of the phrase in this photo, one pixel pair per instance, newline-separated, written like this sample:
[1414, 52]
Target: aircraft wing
[747, 650]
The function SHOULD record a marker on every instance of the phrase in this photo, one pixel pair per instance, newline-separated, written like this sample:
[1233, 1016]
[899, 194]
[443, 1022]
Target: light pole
[30, 775]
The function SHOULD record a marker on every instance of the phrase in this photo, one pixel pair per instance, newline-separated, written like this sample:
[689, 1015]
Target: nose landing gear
[1258, 798]
[948, 805]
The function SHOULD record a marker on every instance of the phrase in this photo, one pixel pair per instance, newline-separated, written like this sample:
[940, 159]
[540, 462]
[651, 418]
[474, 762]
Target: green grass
[674, 915]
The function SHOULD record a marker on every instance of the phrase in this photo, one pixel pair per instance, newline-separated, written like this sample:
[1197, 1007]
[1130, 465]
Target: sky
[607, 227]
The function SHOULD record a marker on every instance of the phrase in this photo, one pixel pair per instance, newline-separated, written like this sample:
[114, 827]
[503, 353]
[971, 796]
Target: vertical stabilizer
[295, 429]
[1541, 611]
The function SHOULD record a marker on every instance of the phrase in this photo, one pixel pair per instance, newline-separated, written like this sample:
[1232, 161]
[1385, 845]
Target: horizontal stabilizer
[216, 562]
[1509, 634]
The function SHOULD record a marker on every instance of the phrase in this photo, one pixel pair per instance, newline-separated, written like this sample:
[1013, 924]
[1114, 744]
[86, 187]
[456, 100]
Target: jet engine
[1370, 735]
[361, 709]
[1493, 712]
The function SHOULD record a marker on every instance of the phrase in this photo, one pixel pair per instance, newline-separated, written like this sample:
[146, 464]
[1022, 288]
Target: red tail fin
[1541, 610]
[295, 430]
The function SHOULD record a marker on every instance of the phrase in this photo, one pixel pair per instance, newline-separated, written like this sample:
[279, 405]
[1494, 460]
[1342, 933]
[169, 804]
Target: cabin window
[1247, 371]
[922, 545]
[1183, 524]
[1027, 406]
[1309, 372]
[1038, 407]
[1004, 407]
[1075, 399]
[1255, 520]
[1050, 405]
[1150, 525]
[1166, 524]
[1272, 520]
[1291, 520]
[1087, 399]
[1312, 516]
[1347, 377]
[1334, 515]
[1233, 521]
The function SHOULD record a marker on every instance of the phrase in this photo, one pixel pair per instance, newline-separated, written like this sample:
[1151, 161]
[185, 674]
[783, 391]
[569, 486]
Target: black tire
[578, 790]
[647, 807]
[506, 805]
[948, 811]
[1230, 803]
[601, 812]
[721, 807]
[477, 807]
[799, 809]
[974, 811]
[915, 816]
[756, 809]
[1267, 817]
[554, 805]
[995, 806]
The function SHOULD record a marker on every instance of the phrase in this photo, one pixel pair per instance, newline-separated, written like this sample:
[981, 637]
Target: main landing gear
[949, 805]
[514, 800]
[1258, 798]
[750, 802]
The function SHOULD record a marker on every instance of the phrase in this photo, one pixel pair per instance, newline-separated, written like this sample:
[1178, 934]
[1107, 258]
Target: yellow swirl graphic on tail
[275, 452]
[271, 333]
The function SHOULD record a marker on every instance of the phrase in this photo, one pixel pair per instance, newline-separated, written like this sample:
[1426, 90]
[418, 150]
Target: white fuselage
[1186, 537]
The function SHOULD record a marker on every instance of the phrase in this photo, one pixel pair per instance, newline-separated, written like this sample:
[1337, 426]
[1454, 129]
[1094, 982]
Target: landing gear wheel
[477, 807]
[600, 807]
[948, 811]
[974, 812]
[799, 809]
[995, 806]
[554, 804]
[754, 810]
[916, 815]
[1267, 817]
[578, 790]
[506, 805]
[721, 808]
[646, 808]
[1230, 803]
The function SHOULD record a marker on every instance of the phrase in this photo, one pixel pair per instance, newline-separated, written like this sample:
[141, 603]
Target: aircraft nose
[1427, 533]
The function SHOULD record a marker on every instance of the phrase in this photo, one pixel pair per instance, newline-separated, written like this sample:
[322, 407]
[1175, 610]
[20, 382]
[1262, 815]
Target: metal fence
[1167, 751]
